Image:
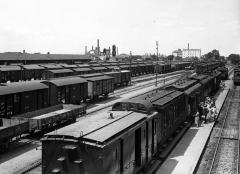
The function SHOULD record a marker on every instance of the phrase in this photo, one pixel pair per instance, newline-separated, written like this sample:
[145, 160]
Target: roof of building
[37, 56]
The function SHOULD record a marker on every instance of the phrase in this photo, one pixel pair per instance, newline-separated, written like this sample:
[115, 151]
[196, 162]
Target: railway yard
[143, 125]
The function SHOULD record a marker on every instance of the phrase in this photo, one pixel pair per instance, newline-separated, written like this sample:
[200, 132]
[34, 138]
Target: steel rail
[220, 137]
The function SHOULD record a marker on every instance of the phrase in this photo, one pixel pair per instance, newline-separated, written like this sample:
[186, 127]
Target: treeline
[234, 58]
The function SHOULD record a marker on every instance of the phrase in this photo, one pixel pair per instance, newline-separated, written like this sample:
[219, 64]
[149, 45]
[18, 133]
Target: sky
[67, 26]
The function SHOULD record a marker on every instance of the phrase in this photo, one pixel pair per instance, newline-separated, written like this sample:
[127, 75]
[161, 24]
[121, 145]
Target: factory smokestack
[98, 48]
[85, 49]
[188, 46]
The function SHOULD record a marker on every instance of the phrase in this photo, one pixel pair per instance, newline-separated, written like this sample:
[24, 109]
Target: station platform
[185, 156]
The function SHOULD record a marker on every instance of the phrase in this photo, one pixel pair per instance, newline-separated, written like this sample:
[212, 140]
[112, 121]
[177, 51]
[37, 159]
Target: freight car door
[127, 154]
[16, 104]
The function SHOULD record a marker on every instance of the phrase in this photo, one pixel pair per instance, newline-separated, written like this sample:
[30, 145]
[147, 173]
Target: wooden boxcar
[49, 74]
[98, 85]
[70, 90]
[32, 72]
[10, 73]
[17, 98]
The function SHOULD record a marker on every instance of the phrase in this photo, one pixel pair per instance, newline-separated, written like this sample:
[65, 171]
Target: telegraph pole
[156, 66]
[130, 59]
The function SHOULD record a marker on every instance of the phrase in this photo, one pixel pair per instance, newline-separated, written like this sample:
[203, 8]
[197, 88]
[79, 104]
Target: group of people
[207, 111]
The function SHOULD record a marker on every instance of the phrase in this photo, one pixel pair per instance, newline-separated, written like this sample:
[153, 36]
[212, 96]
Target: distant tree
[234, 58]
[170, 57]
[211, 56]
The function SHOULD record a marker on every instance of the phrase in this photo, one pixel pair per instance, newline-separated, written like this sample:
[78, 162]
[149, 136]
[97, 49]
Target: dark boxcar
[125, 77]
[10, 73]
[17, 98]
[71, 90]
[99, 69]
[83, 70]
[48, 74]
[32, 72]
[109, 148]
[98, 85]
[117, 77]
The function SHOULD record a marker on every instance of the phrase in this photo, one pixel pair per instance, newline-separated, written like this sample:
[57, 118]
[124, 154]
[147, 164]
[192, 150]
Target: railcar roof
[33, 66]
[91, 75]
[163, 101]
[13, 88]
[204, 81]
[182, 85]
[104, 77]
[106, 133]
[66, 81]
[56, 71]
[53, 66]
[82, 69]
[192, 89]
[99, 68]
[10, 68]
[199, 77]
[90, 124]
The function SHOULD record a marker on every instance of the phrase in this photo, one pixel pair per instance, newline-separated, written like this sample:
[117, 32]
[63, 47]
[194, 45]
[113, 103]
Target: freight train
[208, 67]
[125, 139]
[26, 107]
[15, 73]
[236, 76]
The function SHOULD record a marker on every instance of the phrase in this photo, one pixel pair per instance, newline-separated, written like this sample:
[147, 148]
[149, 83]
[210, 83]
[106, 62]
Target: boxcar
[125, 77]
[98, 85]
[32, 72]
[48, 74]
[70, 90]
[99, 69]
[117, 77]
[10, 73]
[83, 70]
[236, 76]
[17, 98]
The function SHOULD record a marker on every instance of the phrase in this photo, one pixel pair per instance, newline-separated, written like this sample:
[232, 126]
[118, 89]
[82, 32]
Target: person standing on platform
[205, 112]
[197, 122]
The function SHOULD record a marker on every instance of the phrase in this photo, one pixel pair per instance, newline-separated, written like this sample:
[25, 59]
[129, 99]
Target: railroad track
[37, 163]
[226, 154]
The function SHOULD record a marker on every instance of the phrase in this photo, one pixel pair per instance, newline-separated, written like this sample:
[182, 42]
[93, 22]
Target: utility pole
[130, 59]
[156, 66]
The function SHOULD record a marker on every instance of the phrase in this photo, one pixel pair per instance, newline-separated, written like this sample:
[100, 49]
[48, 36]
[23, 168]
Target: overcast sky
[66, 26]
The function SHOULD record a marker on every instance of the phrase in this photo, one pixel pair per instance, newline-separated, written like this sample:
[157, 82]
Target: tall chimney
[98, 49]
[23, 51]
[85, 49]
[188, 46]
